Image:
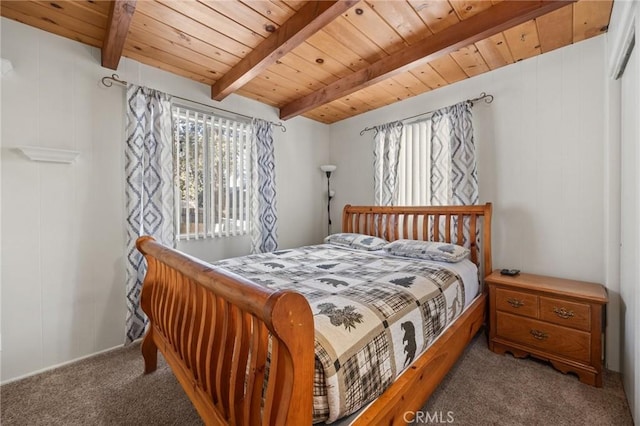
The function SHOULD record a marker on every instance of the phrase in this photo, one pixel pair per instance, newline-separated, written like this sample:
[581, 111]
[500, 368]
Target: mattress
[373, 313]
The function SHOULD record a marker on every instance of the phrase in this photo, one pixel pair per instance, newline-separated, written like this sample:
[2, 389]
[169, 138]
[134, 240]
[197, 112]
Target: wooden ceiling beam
[485, 24]
[120, 15]
[312, 17]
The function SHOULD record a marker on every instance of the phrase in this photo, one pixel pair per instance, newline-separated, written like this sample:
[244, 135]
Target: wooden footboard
[400, 402]
[244, 354]
[216, 331]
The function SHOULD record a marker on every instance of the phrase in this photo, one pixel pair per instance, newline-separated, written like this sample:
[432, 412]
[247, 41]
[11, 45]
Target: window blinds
[414, 166]
[212, 175]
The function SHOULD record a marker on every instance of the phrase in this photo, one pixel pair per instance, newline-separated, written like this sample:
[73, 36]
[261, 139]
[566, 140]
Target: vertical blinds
[212, 175]
[414, 166]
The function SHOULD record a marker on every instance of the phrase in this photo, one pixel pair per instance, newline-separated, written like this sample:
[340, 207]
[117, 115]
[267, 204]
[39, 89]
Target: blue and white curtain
[264, 229]
[149, 189]
[454, 174]
[385, 162]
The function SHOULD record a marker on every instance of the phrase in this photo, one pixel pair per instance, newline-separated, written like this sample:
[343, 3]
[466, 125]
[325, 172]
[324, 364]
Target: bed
[245, 352]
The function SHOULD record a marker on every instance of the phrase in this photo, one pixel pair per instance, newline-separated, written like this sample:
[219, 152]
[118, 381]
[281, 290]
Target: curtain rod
[108, 82]
[483, 96]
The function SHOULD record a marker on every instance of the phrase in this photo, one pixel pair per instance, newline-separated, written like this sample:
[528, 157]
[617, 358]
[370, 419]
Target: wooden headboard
[468, 226]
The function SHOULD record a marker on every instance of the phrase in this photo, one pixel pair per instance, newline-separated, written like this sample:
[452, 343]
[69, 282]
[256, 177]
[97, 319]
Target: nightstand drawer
[569, 314]
[548, 337]
[517, 302]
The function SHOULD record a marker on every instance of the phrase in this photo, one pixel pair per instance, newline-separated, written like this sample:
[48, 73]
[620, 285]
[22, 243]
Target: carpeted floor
[482, 389]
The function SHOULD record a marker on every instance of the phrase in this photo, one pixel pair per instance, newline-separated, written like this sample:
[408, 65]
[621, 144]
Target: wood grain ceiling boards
[307, 21]
[475, 28]
[204, 40]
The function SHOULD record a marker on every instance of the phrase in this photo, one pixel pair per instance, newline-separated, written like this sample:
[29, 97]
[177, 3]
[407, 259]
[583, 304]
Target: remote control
[510, 272]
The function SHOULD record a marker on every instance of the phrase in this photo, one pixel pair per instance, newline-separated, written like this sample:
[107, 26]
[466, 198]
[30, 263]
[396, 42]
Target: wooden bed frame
[216, 329]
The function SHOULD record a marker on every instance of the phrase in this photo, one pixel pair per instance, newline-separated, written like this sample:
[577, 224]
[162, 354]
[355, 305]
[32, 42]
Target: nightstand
[557, 320]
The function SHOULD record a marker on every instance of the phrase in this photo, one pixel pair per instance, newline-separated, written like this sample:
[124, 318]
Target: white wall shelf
[50, 155]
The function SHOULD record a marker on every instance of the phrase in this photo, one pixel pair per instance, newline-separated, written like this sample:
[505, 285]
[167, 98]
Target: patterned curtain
[264, 237]
[149, 189]
[385, 162]
[454, 175]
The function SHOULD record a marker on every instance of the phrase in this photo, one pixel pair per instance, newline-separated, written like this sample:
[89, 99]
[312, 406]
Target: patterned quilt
[373, 314]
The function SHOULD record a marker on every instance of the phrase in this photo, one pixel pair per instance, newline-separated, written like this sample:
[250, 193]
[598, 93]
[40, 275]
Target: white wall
[623, 160]
[630, 241]
[2, 72]
[63, 225]
[540, 151]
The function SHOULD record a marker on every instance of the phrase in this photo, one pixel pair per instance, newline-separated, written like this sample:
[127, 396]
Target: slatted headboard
[468, 226]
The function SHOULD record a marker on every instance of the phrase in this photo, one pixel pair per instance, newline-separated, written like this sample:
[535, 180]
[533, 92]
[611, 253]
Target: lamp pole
[328, 169]
[328, 202]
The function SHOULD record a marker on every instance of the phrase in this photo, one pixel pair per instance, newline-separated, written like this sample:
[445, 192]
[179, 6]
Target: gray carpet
[482, 389]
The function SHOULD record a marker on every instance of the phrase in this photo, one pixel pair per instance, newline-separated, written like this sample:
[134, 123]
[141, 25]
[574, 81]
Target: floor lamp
[328, 169]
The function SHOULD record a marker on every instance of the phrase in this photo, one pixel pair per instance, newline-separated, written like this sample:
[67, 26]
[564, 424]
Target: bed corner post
[486, 239]
[346, 225]
[149, 348]
[292, 323]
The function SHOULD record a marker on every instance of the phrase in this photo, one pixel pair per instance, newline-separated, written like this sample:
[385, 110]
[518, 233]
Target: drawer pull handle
[537, 334]
[563, 313]
[516, 303]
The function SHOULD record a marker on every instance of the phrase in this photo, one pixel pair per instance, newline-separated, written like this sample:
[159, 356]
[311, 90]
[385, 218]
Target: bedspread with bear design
[374, 314]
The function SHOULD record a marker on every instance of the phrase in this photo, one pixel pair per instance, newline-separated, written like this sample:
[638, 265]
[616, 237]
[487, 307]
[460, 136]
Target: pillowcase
[356, 241]
[428, 250]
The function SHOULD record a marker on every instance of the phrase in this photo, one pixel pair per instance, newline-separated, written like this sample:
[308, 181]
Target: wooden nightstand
[557, 320]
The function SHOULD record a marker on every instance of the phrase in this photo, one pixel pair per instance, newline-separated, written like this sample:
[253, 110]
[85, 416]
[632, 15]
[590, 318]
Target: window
[212, 174]
[426, 173]
[414, 164]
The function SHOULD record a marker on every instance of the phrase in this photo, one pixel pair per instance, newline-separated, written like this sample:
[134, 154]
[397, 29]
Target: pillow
[356, 241]
[429, 250]
[368, 242]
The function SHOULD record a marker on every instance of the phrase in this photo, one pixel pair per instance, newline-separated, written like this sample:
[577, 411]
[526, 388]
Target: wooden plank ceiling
[326, 60]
